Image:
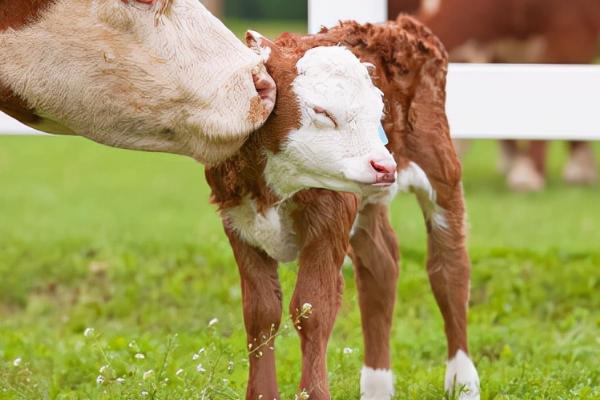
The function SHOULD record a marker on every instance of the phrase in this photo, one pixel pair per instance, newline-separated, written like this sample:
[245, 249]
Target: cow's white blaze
[122, 76]
[341, 110]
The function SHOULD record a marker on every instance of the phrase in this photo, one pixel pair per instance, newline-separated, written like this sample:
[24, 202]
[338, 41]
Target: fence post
[329, 12]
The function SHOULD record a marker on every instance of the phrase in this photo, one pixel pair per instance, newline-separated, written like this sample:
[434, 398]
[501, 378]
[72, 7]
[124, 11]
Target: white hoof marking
[376, 384]
[462, 378]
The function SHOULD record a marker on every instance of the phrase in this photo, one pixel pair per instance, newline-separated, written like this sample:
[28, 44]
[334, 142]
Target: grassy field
[127, 244]
[116, 281]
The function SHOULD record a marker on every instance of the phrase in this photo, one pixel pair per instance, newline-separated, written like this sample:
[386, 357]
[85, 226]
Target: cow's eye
[324, 117]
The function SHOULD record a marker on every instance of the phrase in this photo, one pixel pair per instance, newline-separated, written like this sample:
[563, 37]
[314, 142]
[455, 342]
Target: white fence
[489, 101]
[493, 101]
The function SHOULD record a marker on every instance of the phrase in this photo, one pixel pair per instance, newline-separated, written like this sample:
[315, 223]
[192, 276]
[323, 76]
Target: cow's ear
[260, 44]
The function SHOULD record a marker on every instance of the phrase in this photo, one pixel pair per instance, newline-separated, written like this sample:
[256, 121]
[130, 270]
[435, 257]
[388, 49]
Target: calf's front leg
[323, 225]
[375, 256]
[261, 295]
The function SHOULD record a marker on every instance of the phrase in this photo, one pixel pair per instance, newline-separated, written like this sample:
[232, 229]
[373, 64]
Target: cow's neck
[16, 14]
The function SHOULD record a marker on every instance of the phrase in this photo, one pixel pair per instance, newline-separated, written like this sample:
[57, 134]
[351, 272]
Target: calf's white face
[153, 75]
[337, 146]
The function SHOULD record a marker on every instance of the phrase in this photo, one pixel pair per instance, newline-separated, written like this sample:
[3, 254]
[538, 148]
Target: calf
[518, 31]
[159, 75]
[325, 120]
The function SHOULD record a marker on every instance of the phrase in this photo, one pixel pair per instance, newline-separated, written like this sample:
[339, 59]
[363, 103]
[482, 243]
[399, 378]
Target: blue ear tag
[382, 135]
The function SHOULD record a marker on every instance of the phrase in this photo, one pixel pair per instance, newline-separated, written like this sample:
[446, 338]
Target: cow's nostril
[384, 167]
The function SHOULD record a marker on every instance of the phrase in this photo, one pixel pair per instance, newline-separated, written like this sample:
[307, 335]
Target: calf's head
[160, 75]
[326, 121]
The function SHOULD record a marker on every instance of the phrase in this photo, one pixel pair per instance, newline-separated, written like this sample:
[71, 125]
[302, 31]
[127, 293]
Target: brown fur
[375, 256]
[571, 28]
[16, 15]
[410, 69]
[261, 294]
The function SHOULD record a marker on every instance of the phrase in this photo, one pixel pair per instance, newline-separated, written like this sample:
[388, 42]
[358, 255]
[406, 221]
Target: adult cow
[156, 75]
[518, 31]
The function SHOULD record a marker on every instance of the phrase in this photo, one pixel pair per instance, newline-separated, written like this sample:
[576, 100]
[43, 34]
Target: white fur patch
[272, 231]
[332, 149]
[461, 377]
[414, 179]
[376, 384]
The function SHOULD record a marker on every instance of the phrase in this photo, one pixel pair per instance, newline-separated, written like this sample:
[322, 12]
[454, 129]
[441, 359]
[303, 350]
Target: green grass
[270, 29]
[126, 243]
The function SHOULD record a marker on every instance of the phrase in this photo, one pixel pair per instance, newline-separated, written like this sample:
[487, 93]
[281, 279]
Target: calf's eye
[323, 114]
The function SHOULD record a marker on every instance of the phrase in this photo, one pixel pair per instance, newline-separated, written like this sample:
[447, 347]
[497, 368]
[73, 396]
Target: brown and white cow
[325, 121]
[158, 75]
[518, 31]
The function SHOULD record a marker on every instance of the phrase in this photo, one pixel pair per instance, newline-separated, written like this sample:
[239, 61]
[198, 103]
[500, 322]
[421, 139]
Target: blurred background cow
[519, 31]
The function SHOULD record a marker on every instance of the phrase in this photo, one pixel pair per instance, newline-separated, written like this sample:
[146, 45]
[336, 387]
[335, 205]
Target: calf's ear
[260, 44]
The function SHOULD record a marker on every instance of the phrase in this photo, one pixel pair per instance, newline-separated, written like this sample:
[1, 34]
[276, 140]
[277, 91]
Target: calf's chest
[271, 231]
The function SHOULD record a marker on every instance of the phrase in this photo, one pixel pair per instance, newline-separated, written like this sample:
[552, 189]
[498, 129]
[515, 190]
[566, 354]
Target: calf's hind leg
[448, 267]
[375, 257]
[261, 296]
[434, 175]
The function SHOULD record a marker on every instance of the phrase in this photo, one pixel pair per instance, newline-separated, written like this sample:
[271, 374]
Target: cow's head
[326, 121]
[160, 75]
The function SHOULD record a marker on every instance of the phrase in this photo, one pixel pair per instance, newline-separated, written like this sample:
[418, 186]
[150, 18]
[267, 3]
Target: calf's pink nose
[385, 172]
[384, 167]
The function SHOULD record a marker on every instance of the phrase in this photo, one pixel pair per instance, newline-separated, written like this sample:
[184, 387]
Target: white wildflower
[148, 374]
[103, 369]
[17, 361]
[179, 372]
[348, 350]
[89, 332]
[120, 380]
[100, 380]
[139, 356]
[195, 356]
[200, 368]
[213, 322]
[306, 309]
[144, 393]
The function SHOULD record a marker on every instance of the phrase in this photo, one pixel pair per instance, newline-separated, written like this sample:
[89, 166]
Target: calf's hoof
[581, 169]
[376, 384]
[524, 177]
[462, 380]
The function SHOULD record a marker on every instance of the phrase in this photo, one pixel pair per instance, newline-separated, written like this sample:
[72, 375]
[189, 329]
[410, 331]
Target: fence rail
[500, 101]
